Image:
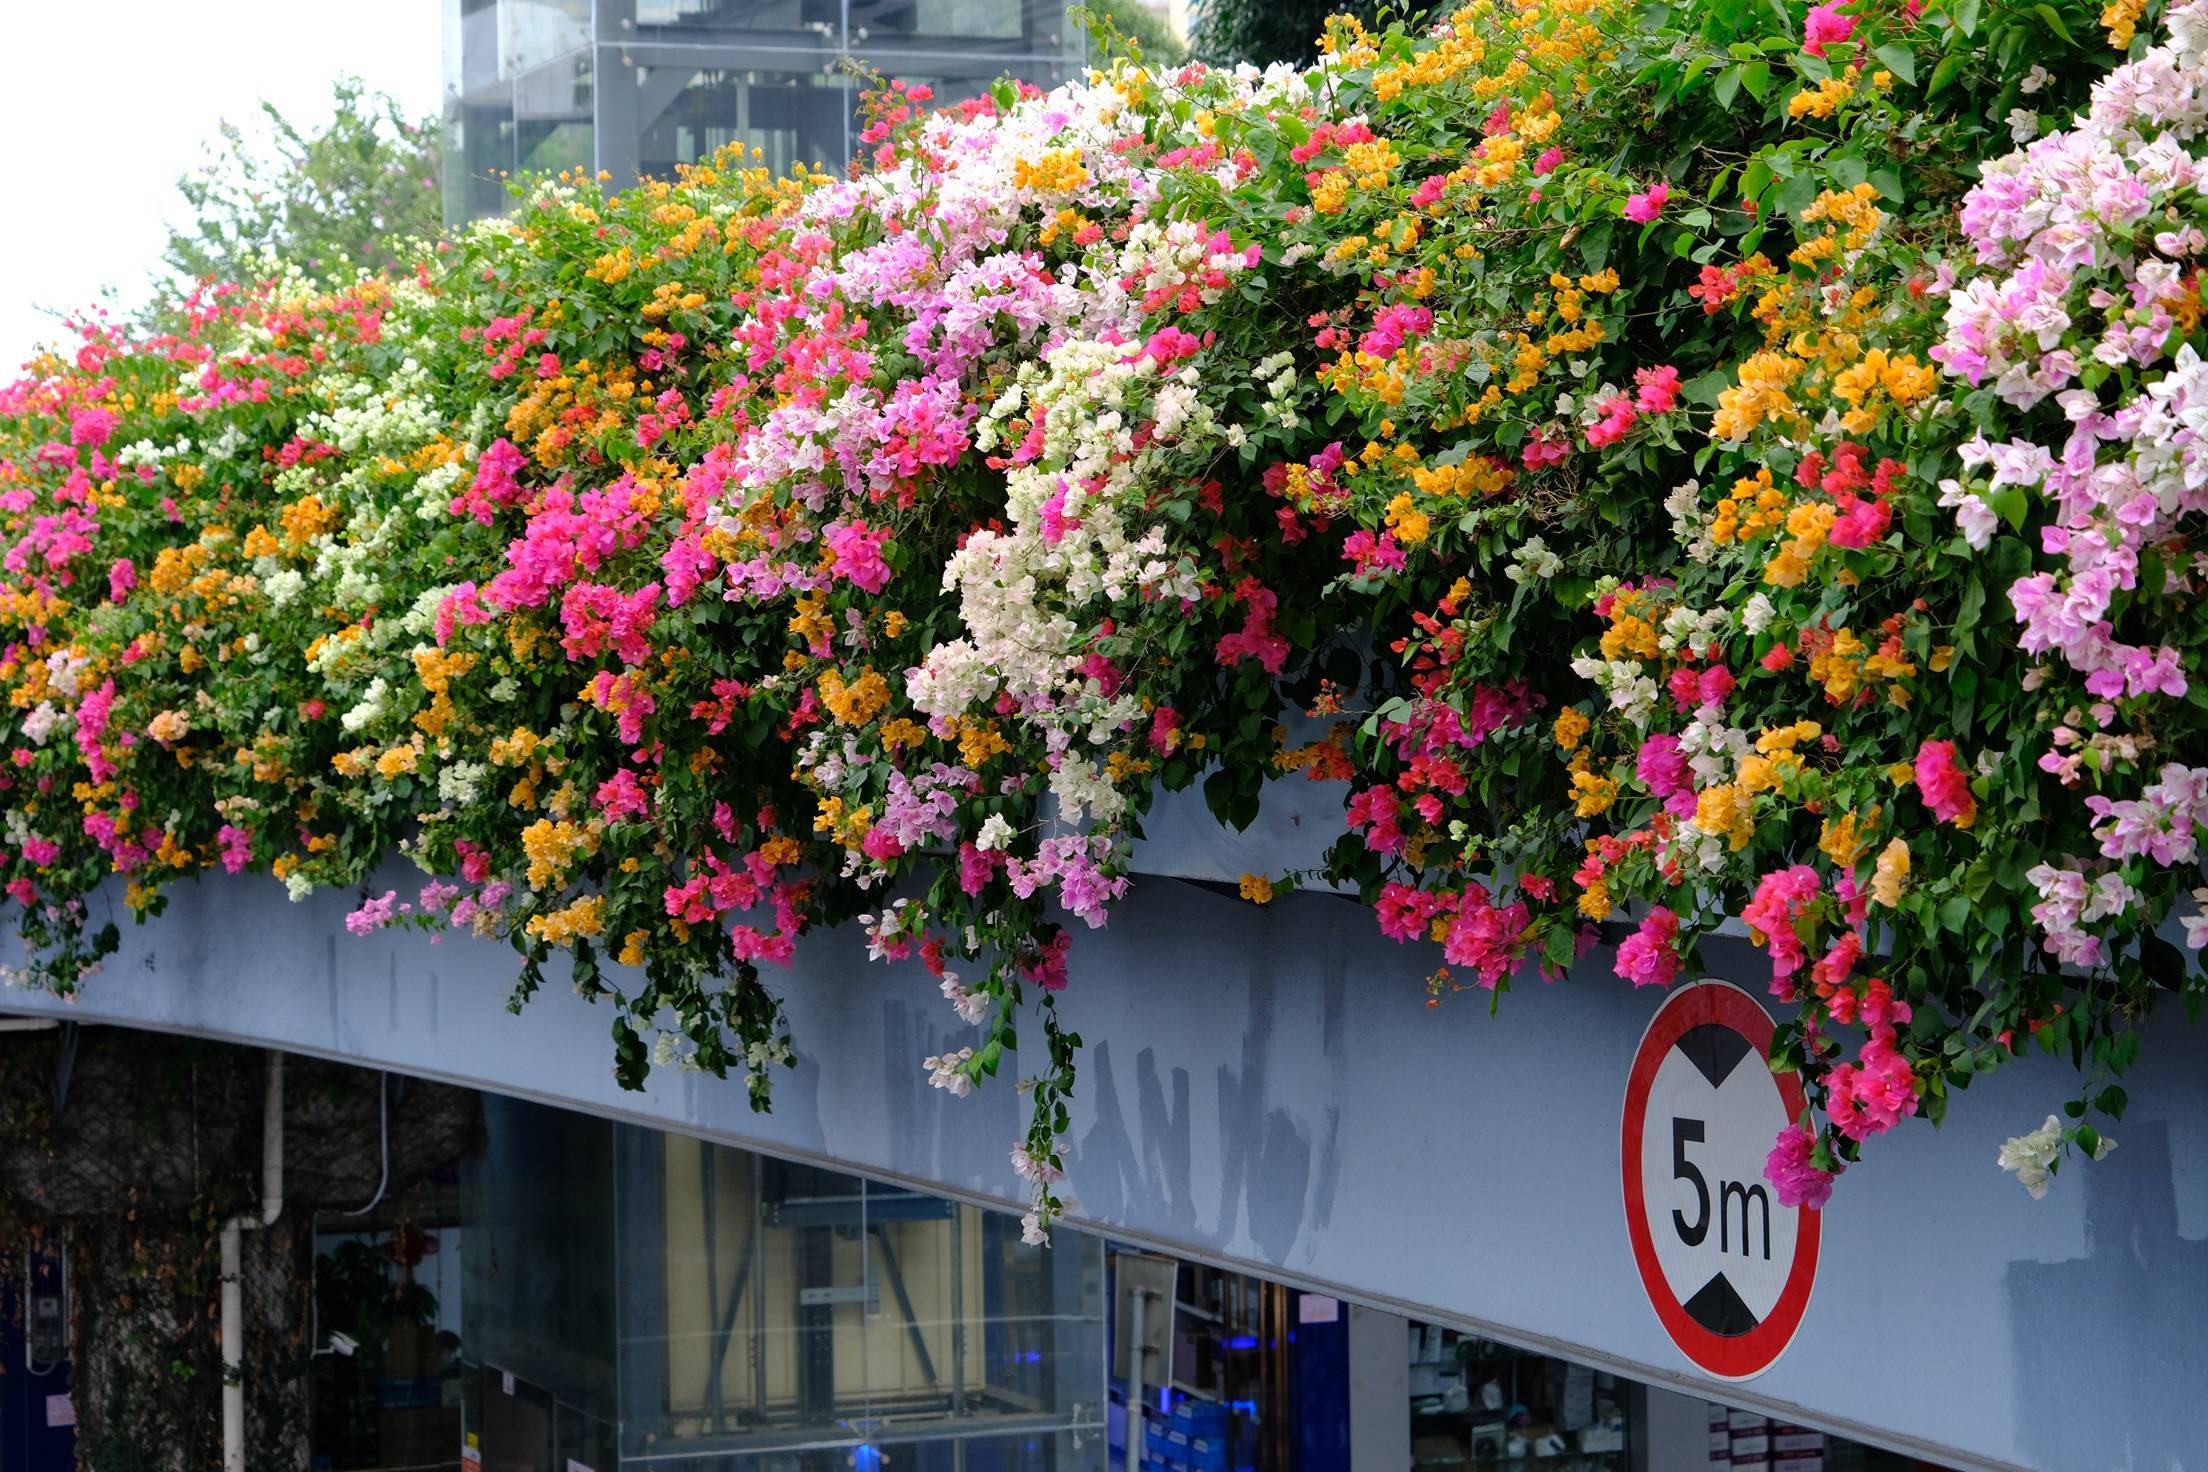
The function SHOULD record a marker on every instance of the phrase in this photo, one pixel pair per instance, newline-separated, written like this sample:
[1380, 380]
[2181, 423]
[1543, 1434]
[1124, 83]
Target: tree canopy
[334, 200]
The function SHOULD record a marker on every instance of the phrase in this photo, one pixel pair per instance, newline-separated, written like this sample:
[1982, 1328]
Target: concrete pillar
[1671, 1432]
[1379, 1391]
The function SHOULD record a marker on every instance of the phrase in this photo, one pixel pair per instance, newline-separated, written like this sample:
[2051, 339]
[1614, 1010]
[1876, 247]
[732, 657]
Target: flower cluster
[1657, 515]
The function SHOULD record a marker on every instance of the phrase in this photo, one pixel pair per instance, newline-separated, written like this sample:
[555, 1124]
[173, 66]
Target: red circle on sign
[1729, 1357]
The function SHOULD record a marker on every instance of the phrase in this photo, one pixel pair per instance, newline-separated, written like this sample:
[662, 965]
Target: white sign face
[1713, 1112]
[1727, 1269]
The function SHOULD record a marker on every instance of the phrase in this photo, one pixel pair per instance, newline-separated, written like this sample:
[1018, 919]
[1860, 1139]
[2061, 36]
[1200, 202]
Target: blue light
[1242, 1341]
[1165, 1392]
[867, 1458]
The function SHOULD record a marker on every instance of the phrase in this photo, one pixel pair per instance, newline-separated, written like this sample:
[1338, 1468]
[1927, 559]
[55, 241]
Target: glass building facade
[580, 1295]
[633, 1299]
[634, 87]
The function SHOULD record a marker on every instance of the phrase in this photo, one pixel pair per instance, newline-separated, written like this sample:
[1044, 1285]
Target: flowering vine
[1671, 470]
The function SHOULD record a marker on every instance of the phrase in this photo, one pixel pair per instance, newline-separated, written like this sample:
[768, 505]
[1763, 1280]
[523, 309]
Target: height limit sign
[1727, 1268]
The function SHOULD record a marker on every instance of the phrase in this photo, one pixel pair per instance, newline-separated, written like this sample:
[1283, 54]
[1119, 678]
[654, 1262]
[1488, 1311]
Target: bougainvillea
[1674, 470]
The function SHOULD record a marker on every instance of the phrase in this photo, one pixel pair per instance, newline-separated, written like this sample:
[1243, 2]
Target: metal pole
[958, 1310]
[1138, 1351]
[759, 1288]
[958, 1329]
[709, 1190]
[233, 1266]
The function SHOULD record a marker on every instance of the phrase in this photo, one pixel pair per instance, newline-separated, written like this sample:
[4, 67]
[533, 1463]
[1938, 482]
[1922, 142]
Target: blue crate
[1201, 1455]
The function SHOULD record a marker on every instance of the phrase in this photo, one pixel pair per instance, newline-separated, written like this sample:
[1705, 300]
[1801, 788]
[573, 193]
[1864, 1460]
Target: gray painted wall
[1267, 1088]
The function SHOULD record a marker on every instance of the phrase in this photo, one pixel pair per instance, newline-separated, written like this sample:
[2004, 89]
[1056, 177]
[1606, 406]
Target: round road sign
[1727, 1268]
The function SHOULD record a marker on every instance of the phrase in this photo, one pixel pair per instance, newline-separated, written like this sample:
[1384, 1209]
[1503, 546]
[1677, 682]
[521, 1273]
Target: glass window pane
[784, 1317]
[793, 117]
[1031, 26]
[478, 113]
[479, 149]
[533, 32]
[678, 17]
[537, 1280]
[552, 116]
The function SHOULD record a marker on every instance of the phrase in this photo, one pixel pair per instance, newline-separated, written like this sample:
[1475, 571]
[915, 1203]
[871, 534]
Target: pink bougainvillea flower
[1616, 417]
[1656, 389]
[1944, 784]
[1650, 955]
[1826, 26]
[1543, 450]
[1792, 1174]
[1782, 899]
[1648, 204]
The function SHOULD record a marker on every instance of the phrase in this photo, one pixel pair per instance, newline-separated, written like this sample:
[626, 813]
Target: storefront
[598, 1296]
[1266, 1379]
[593, 1295]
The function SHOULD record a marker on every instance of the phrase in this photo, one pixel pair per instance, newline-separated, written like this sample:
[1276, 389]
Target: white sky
[103, 105]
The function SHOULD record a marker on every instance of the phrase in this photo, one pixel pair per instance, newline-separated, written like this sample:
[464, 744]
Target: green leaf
[1727, 86]
[1755, 179]
[1594, 245]
[1705, 388]
[1944, 73]
[2163, 962]
[1795, 194]
[1899, 60]
[1966, 17]
[1888, 183]
[2053, 22]
[1231, 800]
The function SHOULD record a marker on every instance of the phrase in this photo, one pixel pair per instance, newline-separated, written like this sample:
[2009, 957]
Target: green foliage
[349, 196]
[1262, 32]
[1116, 26]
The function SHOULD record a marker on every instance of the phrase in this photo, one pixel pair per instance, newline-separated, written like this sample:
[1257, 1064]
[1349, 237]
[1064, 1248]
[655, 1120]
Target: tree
[1112, 23]
[334, 200]
[1266, 31]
